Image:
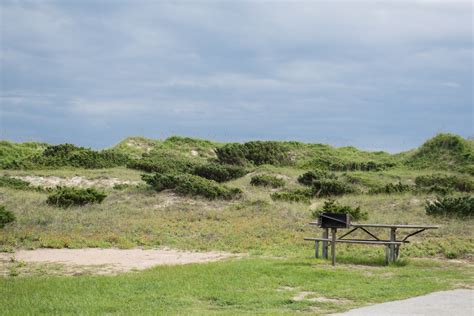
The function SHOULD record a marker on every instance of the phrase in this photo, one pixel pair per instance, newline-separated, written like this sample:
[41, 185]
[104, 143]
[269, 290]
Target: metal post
[393, 234]
[316, 249]
[325, 243]
[333, 245]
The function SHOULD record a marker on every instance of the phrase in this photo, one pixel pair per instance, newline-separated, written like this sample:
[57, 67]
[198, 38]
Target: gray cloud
[375, 74]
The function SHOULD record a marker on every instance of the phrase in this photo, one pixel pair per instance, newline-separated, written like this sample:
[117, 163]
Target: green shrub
[72, 156]
[13, 183]
[392, 188]
[309, 177]
[444, 183]
[462, 206]
[163, 163]
[188, 184]
[121, 186]
[218, 172]
[69, 196]
[332, 206]
[267, 181]
[334, 163]
[330, 187]
[256, 152]
[5, 216]
[292, 196]
[444, 152]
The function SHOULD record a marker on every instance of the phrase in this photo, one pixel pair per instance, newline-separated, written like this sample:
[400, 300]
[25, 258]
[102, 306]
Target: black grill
[334, 220]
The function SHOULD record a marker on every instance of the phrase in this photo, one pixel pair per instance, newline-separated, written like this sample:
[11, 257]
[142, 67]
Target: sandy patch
[303, 296]
[110, 261]
[51, 182]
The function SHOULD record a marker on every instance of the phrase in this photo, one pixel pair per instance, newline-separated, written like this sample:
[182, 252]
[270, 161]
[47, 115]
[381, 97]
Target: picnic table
[392, 244]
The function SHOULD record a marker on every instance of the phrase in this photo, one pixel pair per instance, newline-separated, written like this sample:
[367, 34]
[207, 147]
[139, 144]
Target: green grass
[240, 286]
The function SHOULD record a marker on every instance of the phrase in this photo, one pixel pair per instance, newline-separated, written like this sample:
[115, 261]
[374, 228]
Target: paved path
[452, 303]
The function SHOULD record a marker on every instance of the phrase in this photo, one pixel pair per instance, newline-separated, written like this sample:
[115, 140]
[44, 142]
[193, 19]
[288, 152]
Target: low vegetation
[451, 206]
[265, 180]
[392, 188]
[308, 178]
[6, 216]
[8, 182]
[69, 196]
[219, 172]
[298, 195]
[256, 152]
[331, 206]
[440, 183]
[68, 155]
[192, 185]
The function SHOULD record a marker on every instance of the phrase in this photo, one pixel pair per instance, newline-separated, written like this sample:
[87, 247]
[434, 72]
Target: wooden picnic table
[392, 243]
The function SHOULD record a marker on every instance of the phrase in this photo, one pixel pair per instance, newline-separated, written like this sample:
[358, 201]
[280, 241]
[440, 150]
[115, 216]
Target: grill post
[333, 245]
[325, 243]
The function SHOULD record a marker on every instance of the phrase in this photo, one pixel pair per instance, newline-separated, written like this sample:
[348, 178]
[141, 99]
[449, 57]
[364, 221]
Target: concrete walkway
[452, 303]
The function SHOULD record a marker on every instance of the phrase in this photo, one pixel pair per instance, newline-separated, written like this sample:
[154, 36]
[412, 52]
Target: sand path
[109, 261]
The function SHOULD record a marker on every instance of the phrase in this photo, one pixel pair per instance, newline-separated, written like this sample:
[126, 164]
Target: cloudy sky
[373, 74]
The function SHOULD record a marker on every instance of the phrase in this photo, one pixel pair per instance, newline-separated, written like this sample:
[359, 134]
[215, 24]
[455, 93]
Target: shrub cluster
[267, 181]
[440, 183]
[13, 183]
[292, 196]
[219, 172]
[332, 206]
[162, 163]
[392, 188]
[72, 156]
[337, 164]
[256, 152]
[330, 187]
[69, 196]
[462, 206]
[188, 184]
[6, 216]
[324, 183]
[308, 178]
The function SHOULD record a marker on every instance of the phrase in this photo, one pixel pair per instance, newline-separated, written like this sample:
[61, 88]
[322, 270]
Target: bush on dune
[6, 216]
[332, 206]
[68, 155]
[267, 181]
[461, 206]
[218, 172]
[255, 152]
[188, 184]
[444, 183]
[69, 196]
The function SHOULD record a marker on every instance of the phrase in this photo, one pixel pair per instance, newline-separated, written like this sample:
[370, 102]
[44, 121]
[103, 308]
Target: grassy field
[263, 286]
[278, 274]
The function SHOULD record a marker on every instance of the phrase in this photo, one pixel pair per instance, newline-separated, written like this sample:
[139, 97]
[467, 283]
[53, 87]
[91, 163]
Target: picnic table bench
[392, 244]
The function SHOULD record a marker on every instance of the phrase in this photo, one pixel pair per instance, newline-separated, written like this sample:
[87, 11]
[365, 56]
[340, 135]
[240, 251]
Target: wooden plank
[350, 241]
[395, 226]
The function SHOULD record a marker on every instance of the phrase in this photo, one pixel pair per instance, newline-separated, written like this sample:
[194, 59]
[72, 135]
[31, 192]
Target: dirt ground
[51, 182]
[101, 261]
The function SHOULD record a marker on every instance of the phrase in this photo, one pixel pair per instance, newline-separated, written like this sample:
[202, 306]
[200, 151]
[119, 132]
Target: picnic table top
[389, 226]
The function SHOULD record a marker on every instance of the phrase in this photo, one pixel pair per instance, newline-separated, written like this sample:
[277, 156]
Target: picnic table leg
[333, 245]
[325, 243]
[393, 234]
[316, 249]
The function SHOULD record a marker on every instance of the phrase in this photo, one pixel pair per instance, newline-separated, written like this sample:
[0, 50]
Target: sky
[378, 75]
